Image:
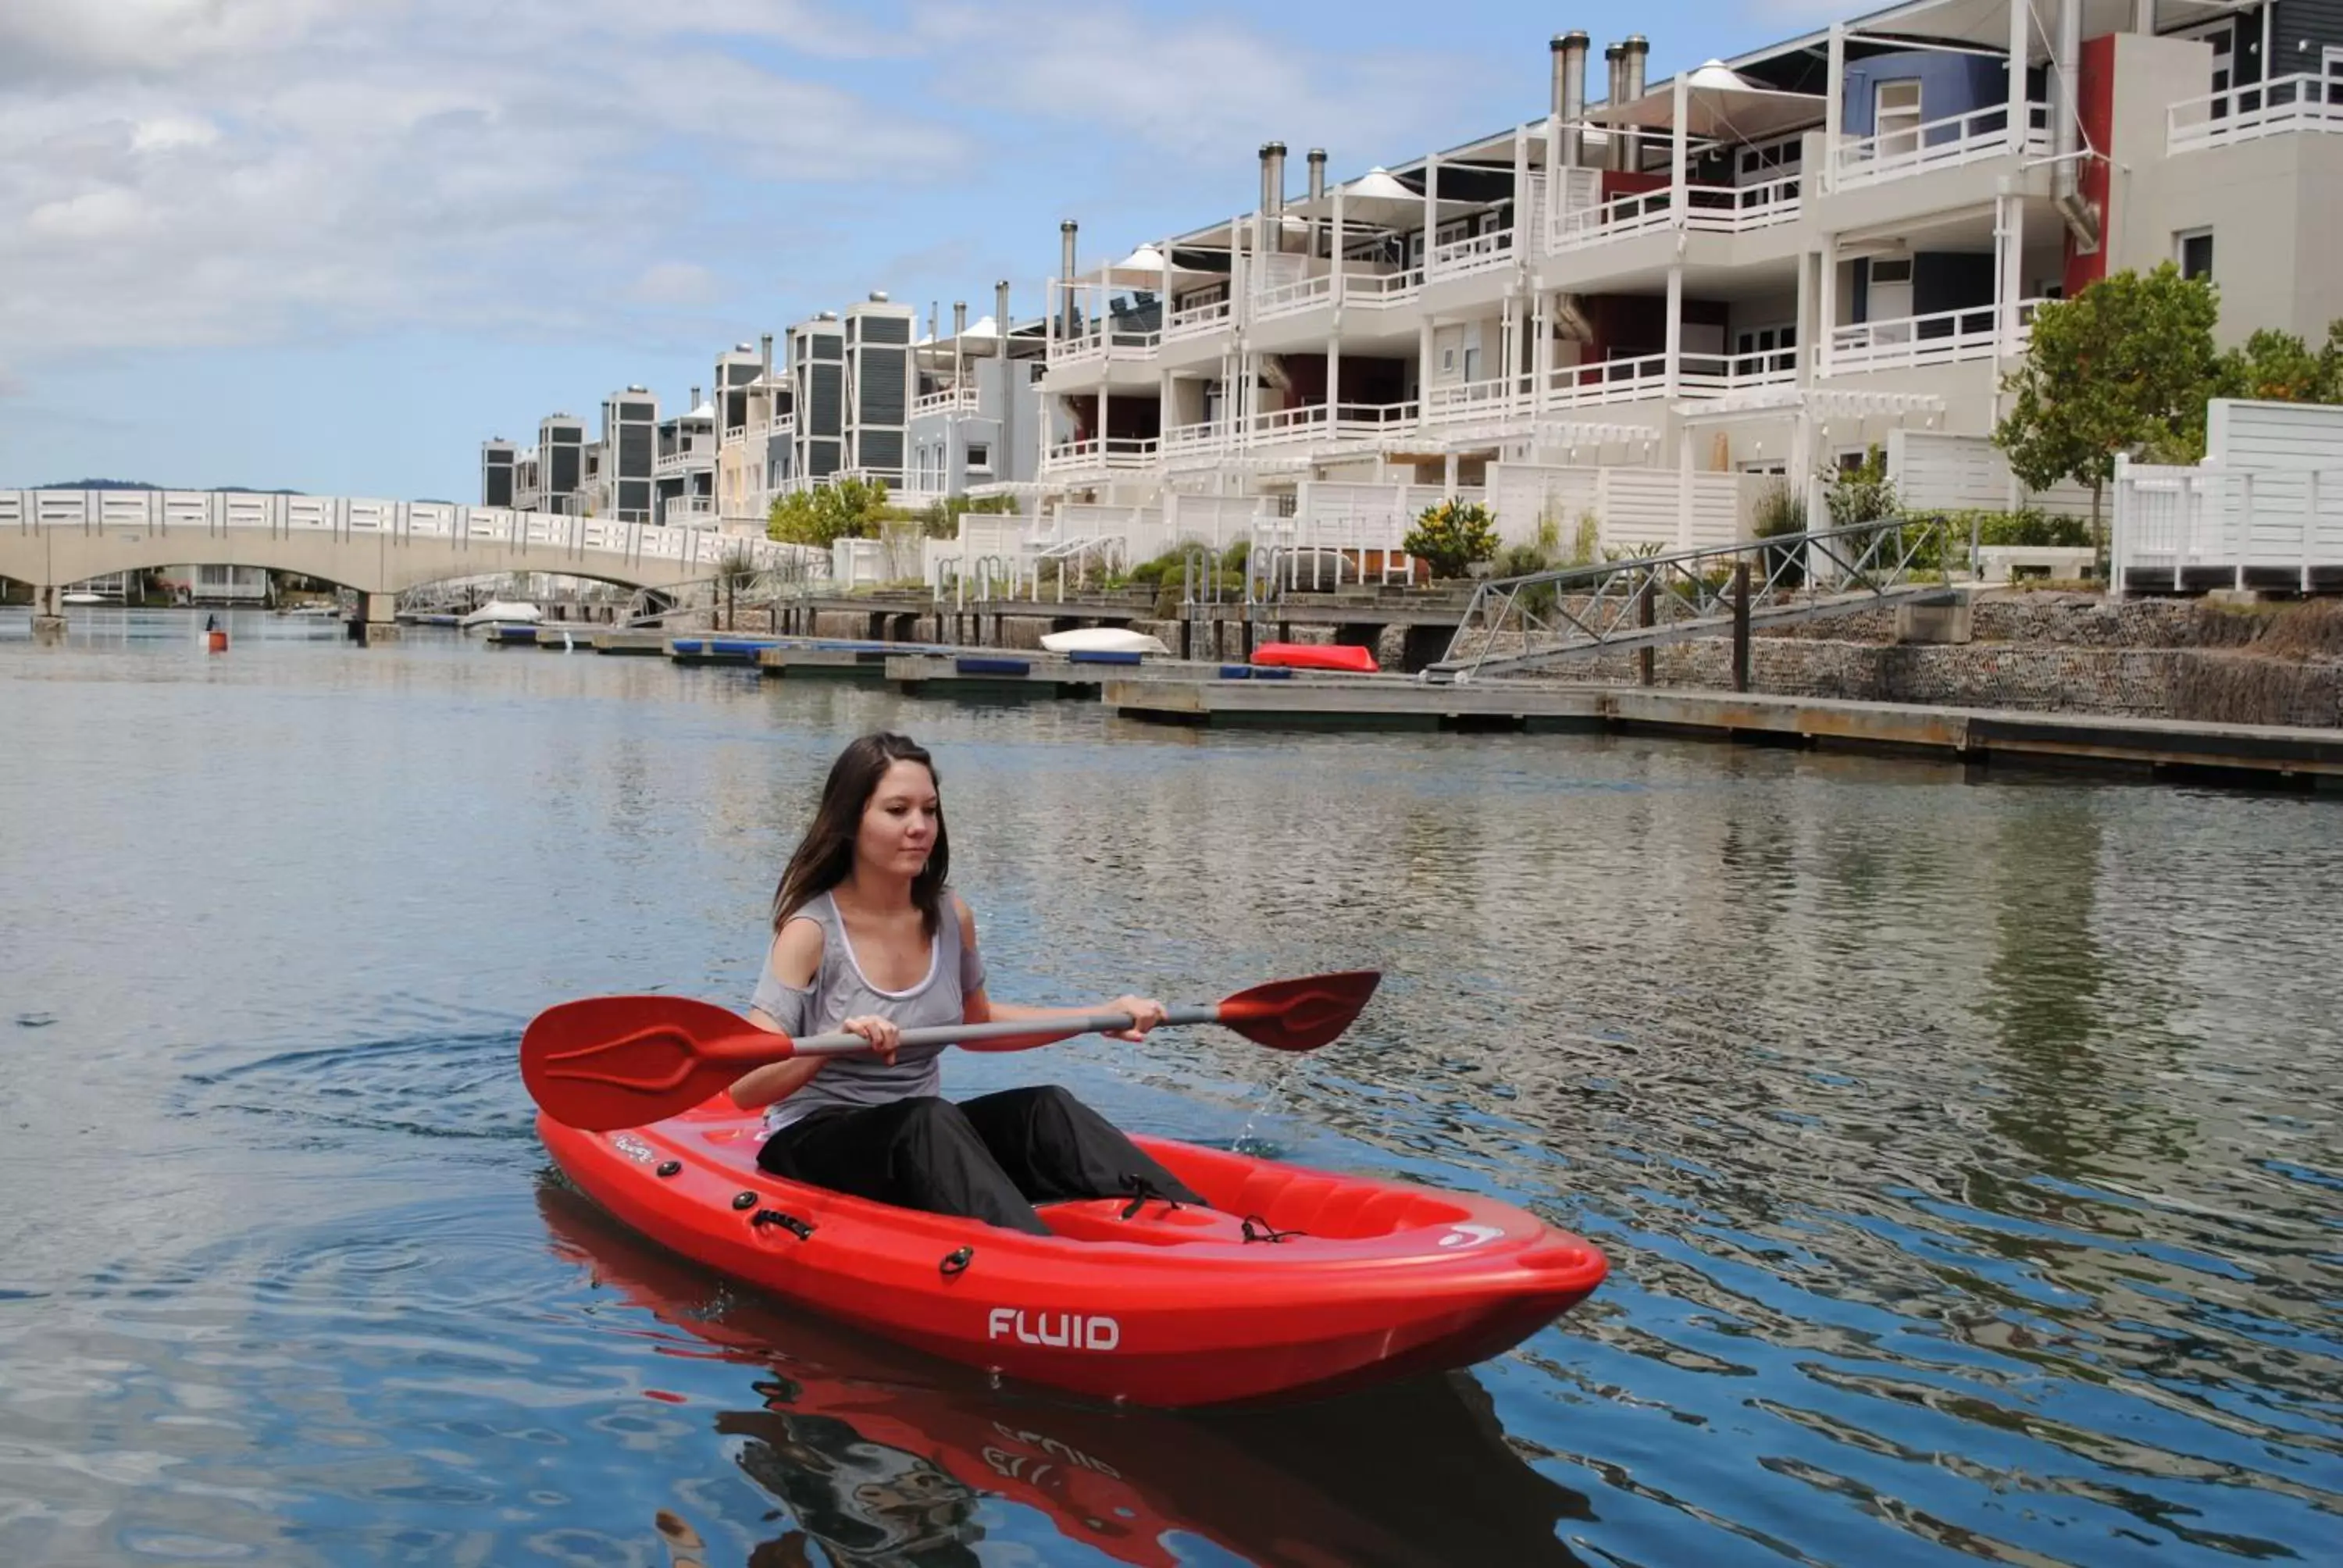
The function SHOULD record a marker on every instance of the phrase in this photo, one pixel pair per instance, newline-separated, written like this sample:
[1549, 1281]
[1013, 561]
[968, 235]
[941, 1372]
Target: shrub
[1451, 536]
[848, 509]
[1863, 494]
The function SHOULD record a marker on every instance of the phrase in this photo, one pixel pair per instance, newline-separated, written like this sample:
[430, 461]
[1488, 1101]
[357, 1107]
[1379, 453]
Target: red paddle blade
[1300, 1014]
[613, 1062]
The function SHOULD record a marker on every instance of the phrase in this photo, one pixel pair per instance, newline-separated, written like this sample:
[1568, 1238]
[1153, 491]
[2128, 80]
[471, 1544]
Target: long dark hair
[825, 856]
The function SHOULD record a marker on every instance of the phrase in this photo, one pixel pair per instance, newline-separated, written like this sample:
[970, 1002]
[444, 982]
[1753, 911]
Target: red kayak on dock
[1316, 655]
[1293, 1281]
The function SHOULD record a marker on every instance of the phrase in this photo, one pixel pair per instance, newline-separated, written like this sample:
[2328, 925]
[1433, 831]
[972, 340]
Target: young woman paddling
[867, 938]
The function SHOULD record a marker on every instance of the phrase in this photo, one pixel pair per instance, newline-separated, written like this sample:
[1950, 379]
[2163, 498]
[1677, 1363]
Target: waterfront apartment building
[683, 470]
[1759, 264]
[550, 477]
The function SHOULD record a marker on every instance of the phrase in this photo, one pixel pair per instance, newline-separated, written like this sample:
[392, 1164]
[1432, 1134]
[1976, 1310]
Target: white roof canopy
[1376, 200]
[1719, 105]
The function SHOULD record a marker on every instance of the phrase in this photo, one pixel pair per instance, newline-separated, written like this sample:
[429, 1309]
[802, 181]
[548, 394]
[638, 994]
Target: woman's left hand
[1145, 1012]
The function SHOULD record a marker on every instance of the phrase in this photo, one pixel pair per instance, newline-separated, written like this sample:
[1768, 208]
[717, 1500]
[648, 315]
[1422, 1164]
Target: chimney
[766, 343]
[960, 318]
[1066, 231]
[1636, 47]
[688, 407]
[1317, 173]
[960, 343]
[1570, 94]
[1273, 196]
[1614, 91]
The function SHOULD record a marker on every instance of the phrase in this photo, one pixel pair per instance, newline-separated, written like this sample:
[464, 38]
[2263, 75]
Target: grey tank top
[840, 990]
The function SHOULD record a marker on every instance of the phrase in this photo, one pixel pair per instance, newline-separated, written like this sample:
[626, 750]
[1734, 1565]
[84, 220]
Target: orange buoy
[218, 641]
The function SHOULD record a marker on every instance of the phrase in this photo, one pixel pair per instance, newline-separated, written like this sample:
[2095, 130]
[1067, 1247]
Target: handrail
[1940, 337]
[1522, 623]
[2305, 101]
[1937, 144]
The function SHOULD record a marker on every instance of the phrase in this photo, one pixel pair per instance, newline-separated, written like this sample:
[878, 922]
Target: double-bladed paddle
[611, 1062]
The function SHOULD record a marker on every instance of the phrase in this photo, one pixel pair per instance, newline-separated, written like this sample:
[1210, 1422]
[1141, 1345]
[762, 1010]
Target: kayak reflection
[882, 1456]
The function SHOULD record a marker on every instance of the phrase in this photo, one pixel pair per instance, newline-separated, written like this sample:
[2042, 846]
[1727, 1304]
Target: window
[979, 455]
[1896, 118]
[2193, 249]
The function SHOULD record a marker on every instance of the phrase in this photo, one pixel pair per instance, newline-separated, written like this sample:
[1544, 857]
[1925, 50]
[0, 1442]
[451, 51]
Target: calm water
[1967, 1154]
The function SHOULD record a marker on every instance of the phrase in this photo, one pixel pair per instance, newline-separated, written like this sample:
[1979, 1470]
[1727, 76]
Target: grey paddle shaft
[844, 1044]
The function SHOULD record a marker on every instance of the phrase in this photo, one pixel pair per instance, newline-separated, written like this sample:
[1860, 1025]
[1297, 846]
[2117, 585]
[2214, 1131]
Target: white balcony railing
[1496, 397]
[1096, 343]
[689, 460]
[2303, 103]
[1374, 291]
[1942, 337]
[1112, 452]
[1718, 209]
[689, 511]
[1607, 381]
[950, 400]
[1938, 143]
[1715, 375]
[1199, 319]
[1474, 253]
[1290, 298]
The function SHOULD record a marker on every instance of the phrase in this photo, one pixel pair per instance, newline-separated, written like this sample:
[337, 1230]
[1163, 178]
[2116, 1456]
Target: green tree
[2124, 366]
[1451, 536]
[844, 509]
[2280, 368]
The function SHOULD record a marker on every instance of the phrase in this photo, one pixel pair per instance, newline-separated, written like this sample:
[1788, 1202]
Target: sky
[332, 244]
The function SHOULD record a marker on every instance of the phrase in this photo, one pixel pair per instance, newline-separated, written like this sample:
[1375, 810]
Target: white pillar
[1834, 107]
[1683, 488]
[1431, 209]
[1826, 327]
[1423, 371]
[1448, 478]
[1340, 281]
[1681, 152]
[1542, 347]
[1334, 380]
[1802, 368]
[1101, 424]
[2021, 30]
[1673, 368]
[2010, 223]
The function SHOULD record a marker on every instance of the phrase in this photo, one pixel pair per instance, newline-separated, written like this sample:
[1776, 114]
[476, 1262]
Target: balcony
[695, 457]
[951, 400]
[1497, 397]
[1717, 374]
[1712, 209]
[1291, 299]
[1380, 290]
[1198, 319]
[1101, 344]
[1474, 253]
[1944, 338]
[1938, 145]
[1607, 381]
[689, 511]
[1122, 452]
[2301, 103]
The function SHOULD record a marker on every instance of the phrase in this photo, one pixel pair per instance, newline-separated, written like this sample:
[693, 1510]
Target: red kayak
[1316, 655]
[1294, 1281]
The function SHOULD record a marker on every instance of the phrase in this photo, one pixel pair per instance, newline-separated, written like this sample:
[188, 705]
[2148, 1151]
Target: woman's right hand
[882, 1032]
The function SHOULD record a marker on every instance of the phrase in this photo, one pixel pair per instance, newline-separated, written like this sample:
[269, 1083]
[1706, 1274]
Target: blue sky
[334, 243]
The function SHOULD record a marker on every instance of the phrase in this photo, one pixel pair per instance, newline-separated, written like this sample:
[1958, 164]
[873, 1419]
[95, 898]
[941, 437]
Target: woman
[867, 938]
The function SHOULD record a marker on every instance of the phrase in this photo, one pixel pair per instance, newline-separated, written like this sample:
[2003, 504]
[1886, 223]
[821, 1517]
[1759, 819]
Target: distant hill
[142, 485]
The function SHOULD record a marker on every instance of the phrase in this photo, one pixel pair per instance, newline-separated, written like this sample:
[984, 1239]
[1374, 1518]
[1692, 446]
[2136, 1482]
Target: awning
[1720, 106]
[1376, 200]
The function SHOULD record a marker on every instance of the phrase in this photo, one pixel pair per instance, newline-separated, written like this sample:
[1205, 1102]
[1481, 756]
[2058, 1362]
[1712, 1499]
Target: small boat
[503, 612]
[1316, 655]
[81, 596]
[1294, 1283]
[1102, 639]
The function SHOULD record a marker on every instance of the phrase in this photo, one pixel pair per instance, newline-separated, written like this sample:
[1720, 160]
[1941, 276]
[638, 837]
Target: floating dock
[986, 672]
[2158, 746]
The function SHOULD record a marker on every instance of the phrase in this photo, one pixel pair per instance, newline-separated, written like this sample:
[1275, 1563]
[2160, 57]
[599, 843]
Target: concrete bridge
[50, 539]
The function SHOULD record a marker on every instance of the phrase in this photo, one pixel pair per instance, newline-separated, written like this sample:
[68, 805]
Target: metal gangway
[1523, 624]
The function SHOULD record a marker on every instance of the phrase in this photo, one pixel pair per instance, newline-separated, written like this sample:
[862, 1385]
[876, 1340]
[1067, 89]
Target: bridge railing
[210, 513]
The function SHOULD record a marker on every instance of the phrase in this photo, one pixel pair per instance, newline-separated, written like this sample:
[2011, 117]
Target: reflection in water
[882, 1456]
[1966, 1154]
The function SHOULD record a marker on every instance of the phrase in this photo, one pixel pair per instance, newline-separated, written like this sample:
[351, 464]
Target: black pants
[988, 1158]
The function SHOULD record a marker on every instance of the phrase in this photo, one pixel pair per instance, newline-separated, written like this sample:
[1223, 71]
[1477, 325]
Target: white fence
[1633, 508]
[2264, 510]
[209, 513]
[1936, 472]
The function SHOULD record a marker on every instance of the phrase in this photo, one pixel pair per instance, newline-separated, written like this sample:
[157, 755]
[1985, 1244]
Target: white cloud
[199, 172]
[675, 283]
[1200, 85]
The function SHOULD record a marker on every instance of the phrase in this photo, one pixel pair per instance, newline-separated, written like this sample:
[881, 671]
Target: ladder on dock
[1520, 624]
